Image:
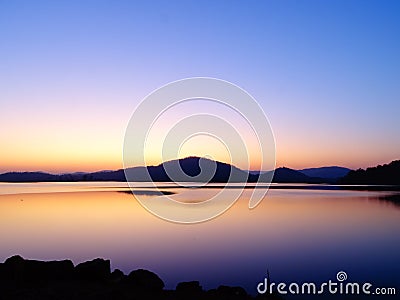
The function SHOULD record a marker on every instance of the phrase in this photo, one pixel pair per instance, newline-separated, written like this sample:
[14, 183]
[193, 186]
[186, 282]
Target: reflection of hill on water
[392, 198]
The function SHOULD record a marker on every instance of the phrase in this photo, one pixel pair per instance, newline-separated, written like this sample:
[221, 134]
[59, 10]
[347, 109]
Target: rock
[145, 280]
[21, 271]
[13, 266]
[2, 272]
[117, 275]
[93, 280]
[189, 290]
[97, 269]
[189, 287]
[13, 269]
[35, 271]
[229, 293]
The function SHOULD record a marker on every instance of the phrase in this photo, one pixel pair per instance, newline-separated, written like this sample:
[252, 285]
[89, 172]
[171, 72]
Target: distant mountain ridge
[214, 171]
[333, 172]
[286, 175]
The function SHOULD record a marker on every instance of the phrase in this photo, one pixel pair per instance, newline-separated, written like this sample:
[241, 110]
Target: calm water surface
[299, 235]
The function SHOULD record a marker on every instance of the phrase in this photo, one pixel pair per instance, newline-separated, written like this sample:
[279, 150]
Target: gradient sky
[327, 74]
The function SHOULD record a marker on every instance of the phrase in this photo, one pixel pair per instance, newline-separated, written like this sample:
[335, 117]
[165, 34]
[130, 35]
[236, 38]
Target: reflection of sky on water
[300, 235]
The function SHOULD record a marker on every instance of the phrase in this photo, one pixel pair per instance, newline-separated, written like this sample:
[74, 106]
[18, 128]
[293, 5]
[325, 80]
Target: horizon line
[154, 165]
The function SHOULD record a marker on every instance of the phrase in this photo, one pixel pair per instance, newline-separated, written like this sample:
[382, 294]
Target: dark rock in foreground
[17, 271]
[95, 270]
[144, 280]
[31, 279]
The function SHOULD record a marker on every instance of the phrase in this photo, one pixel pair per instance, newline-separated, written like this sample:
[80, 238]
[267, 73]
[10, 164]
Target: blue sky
[327, 74]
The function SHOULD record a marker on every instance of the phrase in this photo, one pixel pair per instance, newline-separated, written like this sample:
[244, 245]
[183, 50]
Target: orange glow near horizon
[86, 147]
[71, 77]
[91, 163]
[88, 150]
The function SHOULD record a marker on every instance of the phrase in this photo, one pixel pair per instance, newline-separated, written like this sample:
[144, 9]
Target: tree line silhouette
[388, 174]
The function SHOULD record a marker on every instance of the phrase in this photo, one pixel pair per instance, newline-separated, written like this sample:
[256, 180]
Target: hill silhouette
[28, 177]
[190, 169]
[388, 174]
[332, 172]
[286, 175]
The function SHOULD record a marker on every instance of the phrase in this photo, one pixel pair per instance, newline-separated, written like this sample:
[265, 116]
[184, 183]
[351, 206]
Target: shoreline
[233, 185]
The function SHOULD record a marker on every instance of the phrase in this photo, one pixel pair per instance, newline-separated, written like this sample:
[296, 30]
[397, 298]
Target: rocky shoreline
[32, 279]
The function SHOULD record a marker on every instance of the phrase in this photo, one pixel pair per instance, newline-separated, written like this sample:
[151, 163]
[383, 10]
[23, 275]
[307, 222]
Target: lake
[299, 235]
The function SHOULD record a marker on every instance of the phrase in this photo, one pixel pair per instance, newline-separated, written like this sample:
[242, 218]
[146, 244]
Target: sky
[326, 73]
